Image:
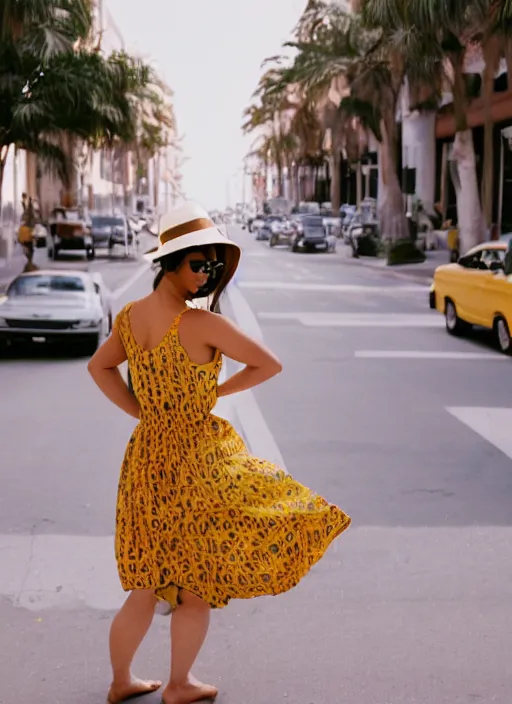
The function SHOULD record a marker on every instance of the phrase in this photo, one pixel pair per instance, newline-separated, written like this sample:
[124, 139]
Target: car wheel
[454, 325]
[502, 333]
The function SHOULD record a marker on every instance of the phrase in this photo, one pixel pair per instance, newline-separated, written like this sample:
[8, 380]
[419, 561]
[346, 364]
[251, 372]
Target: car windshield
[104, 221]
[45, 285]
[313, 221]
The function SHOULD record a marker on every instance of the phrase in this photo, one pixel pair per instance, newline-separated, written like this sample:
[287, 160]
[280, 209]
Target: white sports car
[56, 306]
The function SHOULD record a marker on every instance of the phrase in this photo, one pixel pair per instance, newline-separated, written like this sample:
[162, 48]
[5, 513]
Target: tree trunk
[335, 166]
[68, 190]
[279, 169]
[2, 172]
[492, 59]
[392, 220]
[469, 211]
[4, 153]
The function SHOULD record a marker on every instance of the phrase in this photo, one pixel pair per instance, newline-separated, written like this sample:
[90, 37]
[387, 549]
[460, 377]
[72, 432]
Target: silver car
[56, 306]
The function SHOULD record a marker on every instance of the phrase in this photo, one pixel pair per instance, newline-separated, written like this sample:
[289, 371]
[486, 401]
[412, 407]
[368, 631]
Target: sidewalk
[12, 267]
[421, 273]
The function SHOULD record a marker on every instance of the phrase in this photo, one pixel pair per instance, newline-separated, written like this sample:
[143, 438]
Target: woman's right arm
[103, 367]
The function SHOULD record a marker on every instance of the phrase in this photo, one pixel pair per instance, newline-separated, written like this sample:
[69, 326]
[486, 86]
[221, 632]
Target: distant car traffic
[264, 232]
[69, 229]
[111, 230]
[56, 306]
[311, 234]
[476, 291]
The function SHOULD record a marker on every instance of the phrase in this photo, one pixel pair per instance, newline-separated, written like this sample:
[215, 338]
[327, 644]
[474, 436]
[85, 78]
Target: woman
[199, 521]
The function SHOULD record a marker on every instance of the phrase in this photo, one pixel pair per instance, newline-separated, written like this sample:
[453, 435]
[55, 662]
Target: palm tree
[32, 33]
[450, 25]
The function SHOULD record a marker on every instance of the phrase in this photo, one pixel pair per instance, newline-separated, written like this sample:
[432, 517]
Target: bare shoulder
[139, 303]
[208, 322]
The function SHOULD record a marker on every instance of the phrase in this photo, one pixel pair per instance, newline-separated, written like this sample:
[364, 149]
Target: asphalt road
[379, 410]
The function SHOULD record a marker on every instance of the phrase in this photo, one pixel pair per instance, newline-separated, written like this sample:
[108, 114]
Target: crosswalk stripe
[493, 424]
[329, 288]
[358, 320]
[75, 572]
[426, 354]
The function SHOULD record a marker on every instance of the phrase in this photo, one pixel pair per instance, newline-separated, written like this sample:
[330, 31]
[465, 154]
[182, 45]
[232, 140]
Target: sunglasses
[203, 266]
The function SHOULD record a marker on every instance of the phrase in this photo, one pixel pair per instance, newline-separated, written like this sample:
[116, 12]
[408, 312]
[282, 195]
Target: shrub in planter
[367, 246]
[404, 252]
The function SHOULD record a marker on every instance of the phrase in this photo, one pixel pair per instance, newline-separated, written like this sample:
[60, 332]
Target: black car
[311, 234]
[110, 230]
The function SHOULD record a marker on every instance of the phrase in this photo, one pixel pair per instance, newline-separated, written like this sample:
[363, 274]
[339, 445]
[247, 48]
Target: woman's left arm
[103, 367]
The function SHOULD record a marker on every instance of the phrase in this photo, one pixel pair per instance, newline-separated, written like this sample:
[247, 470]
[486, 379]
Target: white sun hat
[188, 225]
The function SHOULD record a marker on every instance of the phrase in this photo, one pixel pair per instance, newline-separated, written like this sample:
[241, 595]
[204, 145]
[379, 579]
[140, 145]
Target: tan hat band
[185, 229]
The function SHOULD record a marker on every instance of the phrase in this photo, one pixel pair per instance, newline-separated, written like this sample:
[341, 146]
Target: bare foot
[136, 688]
[190, 692]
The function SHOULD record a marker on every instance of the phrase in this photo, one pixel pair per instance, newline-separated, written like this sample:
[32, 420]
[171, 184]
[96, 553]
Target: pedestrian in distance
[199, 520]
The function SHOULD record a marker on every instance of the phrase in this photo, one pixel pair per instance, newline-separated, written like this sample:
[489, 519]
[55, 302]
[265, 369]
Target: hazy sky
[210, 52]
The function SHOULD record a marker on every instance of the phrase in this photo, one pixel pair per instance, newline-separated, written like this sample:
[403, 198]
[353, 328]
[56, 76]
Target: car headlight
[91, 323]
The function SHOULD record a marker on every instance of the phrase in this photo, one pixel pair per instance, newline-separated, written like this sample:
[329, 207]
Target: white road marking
[424, 354]
[493, 424]
[77, 572]
[259, 436]
[359, 320]
[129, 282]
[256, 253]
[329, 288]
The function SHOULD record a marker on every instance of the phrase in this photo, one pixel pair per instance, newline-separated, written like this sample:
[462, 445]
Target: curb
[234, 418]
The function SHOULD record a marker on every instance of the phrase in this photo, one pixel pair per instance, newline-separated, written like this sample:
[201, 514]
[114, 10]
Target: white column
[419, 151]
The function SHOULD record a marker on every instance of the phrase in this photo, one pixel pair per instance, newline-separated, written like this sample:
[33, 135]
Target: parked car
[282, 231]
[111, 230]
[476, 291]
[69, 230]
[56, 306]
[312, 235]
[265, 231]
[254, 223]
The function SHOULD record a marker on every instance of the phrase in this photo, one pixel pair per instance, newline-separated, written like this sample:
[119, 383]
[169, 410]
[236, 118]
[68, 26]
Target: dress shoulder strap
[122, 325]
[177, 319]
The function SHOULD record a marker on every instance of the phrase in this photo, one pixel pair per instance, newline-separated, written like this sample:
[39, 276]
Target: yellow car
[476, 291]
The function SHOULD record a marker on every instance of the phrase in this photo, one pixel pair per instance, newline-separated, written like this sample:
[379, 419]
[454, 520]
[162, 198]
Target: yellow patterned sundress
[195, 510]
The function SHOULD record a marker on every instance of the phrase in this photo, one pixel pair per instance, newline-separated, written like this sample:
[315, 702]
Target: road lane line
[423, 354]
[492, 424]
[121, 290]
[359, 320]
[330, 288]
[255, 428]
